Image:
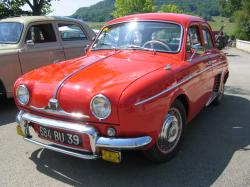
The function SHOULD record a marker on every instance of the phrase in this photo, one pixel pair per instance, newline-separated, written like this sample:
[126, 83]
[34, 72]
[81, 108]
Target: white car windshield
[141, 35]
[10, 32]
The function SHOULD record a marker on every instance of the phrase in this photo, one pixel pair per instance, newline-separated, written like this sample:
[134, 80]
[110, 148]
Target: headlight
[100, 106]
[23, 95]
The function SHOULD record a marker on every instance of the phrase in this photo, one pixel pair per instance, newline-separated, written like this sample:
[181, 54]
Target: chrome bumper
[24, 119]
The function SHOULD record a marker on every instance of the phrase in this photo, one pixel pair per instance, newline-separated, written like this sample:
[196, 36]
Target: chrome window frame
[160, 21]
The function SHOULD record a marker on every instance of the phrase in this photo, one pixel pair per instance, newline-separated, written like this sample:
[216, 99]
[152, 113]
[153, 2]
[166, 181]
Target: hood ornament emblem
[53, 104]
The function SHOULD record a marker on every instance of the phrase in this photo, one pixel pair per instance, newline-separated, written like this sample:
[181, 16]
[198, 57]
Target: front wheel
[171, 135]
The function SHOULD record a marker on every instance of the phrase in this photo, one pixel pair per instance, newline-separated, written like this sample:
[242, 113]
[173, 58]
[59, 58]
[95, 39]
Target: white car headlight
[23, 95]
[100, 106]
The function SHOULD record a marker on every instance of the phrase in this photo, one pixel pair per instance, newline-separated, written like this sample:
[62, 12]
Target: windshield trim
[161, 21]
[21, 32]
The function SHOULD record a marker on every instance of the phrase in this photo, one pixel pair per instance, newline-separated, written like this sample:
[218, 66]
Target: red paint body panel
[127, 77]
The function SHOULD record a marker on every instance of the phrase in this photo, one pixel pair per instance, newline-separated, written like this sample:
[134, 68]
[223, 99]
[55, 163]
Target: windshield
[141, 35]
[10, 32]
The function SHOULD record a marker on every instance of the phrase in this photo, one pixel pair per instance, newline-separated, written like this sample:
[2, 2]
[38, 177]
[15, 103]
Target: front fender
[146, 118]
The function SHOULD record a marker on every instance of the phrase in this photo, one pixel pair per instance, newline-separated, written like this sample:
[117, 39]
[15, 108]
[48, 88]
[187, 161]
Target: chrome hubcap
[170, 132]
[173, 131]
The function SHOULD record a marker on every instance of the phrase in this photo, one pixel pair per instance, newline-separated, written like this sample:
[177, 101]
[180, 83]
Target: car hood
[105, 72]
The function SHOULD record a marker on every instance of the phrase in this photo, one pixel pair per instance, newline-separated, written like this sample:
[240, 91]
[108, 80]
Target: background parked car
[27, 43]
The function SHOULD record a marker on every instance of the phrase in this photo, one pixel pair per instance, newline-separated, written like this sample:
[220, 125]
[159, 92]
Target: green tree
[170, 8]
[14, 7]
[39, 7]
[242, 19]
[11, 8]
[228, 7]
[126, 7]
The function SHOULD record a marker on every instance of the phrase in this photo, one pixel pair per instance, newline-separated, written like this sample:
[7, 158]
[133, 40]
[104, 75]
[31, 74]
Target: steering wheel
[157, 42]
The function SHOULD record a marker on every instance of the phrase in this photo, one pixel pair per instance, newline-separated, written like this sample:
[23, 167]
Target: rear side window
[41, 33]
[193, 37]
[207, 38]
[71, 32]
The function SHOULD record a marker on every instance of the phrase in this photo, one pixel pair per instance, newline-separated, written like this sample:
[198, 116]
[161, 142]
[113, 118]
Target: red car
[141, 81]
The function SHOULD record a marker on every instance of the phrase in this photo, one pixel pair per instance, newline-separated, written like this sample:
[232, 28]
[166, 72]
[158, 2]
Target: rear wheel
[219, 99]
[2, 97]
[171, 135]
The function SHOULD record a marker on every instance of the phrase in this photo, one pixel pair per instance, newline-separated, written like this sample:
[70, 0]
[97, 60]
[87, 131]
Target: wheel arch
[183, 98]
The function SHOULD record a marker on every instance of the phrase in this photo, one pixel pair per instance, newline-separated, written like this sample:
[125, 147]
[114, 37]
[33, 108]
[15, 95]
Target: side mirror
[86, 48]
[198, 49]
[30, 43]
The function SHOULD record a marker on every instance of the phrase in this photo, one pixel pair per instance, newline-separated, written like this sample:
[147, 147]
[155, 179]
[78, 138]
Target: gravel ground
[216, 151]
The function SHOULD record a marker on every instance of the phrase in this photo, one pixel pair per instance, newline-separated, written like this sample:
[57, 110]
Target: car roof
[30, 19]
[183, 19]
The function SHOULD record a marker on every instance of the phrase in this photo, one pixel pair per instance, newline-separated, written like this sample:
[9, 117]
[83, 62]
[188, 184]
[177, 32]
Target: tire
[2, 92]
[219, 99]
[2, 98]
[166, 147]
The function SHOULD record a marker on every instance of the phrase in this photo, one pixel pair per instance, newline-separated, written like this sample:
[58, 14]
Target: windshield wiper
[105, 44]
[136, 47]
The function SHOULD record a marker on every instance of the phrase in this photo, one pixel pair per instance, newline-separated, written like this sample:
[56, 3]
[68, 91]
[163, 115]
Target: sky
[68, 7]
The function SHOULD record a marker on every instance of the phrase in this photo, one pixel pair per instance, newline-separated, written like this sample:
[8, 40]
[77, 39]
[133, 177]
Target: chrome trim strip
[66, 152]
[175, 85]
[61, 112]
[211, 99]
[76, 71]
[124, 143]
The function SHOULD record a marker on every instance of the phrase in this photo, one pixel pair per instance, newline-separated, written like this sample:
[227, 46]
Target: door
[74, 39]
[200, 69]
[41, 47]
[211, 51]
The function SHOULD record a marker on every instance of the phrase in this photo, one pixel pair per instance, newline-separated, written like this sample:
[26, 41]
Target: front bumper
[25, 120]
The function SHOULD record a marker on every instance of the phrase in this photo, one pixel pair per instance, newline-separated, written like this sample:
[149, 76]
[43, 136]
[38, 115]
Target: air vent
[217, 83]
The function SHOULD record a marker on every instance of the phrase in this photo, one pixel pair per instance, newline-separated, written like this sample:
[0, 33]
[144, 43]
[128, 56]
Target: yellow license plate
[111, 156]
[19, 130]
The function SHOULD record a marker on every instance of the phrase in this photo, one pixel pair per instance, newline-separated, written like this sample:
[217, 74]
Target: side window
[41, 33]
[207, 38]
[193, 37]
[71, 32]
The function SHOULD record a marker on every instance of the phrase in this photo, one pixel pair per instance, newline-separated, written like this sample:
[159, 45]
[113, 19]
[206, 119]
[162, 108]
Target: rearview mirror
[198, 49]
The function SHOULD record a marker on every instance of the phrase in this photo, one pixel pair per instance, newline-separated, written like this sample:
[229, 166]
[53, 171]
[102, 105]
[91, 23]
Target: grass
[218, 21]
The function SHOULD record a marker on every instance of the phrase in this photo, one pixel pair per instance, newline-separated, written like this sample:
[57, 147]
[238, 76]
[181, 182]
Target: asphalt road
[216, 151]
